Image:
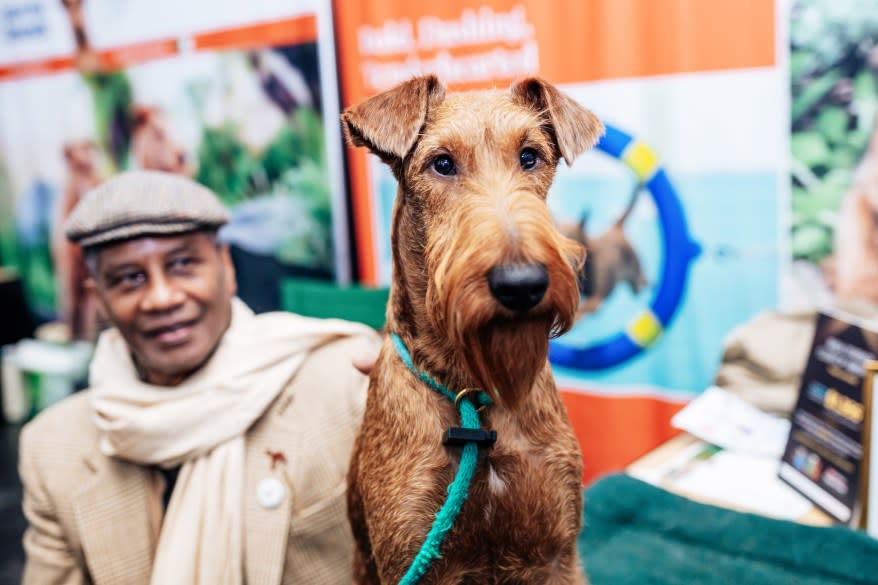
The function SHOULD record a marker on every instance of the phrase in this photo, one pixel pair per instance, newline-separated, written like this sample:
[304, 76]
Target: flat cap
[143, 203]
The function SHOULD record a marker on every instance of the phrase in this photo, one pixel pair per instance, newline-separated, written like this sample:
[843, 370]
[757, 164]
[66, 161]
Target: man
[212, 445]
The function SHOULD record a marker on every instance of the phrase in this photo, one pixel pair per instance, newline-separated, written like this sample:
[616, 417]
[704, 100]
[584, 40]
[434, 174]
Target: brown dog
[481, 280]
[612, 259]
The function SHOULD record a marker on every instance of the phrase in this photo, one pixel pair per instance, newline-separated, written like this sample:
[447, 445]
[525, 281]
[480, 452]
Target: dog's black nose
[518, 287]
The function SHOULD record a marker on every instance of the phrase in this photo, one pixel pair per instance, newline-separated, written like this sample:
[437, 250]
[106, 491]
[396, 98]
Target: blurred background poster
[834, 163]
[240, 96]
[680, 205]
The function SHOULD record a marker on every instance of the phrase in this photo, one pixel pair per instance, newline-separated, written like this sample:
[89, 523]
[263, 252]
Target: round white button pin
[270, 493]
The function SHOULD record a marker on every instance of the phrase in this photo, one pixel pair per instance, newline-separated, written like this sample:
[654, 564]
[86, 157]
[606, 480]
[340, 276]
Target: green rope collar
[470, 436]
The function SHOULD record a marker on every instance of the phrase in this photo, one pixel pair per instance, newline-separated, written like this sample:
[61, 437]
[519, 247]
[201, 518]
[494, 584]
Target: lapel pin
[276, 457]
[270, 493]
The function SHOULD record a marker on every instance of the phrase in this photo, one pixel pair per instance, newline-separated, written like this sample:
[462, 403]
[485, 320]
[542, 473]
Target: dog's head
[474, 242]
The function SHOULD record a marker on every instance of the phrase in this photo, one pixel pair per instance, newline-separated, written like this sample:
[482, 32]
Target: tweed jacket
[88, 514]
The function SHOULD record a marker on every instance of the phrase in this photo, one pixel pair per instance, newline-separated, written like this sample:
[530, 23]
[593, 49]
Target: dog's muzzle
[518, 287]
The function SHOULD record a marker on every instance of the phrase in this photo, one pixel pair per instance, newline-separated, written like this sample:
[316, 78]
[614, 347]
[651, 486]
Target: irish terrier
[481, 281]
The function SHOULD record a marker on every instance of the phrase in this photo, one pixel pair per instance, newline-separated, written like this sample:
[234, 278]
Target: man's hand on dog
[365, 360]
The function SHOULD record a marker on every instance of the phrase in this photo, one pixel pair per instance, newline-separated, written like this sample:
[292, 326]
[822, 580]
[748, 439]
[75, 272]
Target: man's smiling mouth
[172, 334]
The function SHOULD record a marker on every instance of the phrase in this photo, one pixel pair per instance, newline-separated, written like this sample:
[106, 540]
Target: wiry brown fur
[521, 519]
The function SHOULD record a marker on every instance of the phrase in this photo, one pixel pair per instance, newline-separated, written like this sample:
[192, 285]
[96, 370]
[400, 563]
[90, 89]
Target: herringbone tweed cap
[141, 203]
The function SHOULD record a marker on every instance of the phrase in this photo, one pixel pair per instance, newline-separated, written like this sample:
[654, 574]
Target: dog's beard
[502, 352]
[505, 356]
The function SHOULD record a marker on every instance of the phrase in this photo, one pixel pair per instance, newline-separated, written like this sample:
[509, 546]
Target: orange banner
[34, 68]
[614, 431]
[301, 29]
[575, 40]
[293, 31]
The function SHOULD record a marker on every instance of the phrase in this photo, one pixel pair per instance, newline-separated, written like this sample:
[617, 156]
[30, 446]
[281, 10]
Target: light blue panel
[734, 218]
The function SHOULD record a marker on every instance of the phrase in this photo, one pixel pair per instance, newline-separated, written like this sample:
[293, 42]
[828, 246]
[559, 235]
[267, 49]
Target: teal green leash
[470, 436]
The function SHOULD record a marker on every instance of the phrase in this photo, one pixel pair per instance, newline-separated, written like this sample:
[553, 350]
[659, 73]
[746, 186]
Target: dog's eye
[528, 158]
[443, 165]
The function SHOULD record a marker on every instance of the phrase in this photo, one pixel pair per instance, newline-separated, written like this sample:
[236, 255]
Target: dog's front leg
[567, 569]
[364, 570]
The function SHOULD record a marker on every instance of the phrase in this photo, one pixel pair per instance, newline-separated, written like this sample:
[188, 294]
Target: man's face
[170, 297]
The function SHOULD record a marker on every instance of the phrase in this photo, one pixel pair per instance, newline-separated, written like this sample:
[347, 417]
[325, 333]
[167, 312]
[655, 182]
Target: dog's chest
[523, 510]
[524, 503]
[505, 476]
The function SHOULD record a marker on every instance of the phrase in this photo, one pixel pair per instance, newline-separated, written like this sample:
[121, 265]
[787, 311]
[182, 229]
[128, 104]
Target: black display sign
[824, 452]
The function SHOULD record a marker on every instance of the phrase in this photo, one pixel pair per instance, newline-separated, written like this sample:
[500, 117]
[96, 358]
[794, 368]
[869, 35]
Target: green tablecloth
[637, 533]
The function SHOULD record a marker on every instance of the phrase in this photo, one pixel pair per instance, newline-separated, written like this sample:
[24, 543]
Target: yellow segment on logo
[642, 160]
[645, 329]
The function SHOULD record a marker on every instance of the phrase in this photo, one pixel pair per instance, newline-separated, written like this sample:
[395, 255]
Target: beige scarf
[200, 425]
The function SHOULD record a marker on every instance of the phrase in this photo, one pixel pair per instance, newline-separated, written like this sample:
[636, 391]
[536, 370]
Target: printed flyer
[824, 453]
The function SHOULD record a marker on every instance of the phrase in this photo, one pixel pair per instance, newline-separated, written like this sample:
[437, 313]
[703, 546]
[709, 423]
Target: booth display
[676, 253]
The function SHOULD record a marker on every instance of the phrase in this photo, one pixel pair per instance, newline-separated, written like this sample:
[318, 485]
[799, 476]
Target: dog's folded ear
[389, 123]
[576, 128]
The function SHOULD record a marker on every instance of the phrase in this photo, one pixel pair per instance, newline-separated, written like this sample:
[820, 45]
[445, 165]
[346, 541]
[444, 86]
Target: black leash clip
[457, 437]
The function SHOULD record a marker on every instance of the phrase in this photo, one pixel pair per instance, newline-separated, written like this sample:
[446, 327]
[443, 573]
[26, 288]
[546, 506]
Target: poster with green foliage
[834, 162]
[241, 100]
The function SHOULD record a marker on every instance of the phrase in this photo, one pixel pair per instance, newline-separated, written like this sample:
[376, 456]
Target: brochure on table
[824, 452]
[734, 463]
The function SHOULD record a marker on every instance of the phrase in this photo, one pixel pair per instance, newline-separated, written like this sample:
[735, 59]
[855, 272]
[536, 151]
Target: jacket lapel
[112, 516]
[266, 515]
